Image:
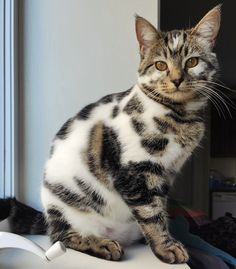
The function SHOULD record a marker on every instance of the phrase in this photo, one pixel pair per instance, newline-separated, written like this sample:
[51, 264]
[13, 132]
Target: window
[8, 97]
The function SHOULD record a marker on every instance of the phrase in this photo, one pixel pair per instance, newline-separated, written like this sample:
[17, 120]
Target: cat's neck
[193, 106]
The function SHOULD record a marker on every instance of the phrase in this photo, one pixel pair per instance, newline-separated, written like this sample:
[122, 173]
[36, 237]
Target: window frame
[8, 96]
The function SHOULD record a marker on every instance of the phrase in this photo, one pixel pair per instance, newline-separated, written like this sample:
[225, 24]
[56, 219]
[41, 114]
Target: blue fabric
[201, 259]
[179, 228]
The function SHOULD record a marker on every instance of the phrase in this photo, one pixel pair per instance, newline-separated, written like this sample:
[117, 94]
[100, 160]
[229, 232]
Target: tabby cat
[111, 165]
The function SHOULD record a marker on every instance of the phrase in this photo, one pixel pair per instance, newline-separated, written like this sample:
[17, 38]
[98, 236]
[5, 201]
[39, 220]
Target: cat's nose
[177, 82]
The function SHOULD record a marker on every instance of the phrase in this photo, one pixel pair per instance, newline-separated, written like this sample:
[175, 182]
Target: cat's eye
[161, 66]
[192, 62]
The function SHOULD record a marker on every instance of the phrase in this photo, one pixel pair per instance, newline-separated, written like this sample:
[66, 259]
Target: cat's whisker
[218, 84]
[219, 93]
[213, 101]
[216, 104]
[217, 97]
[225, 96]
[225, 99]
[217, 89]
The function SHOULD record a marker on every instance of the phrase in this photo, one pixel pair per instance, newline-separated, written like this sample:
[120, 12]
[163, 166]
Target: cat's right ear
[146, 33]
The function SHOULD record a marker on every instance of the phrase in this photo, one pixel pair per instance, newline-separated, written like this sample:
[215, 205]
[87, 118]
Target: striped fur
[111, 166]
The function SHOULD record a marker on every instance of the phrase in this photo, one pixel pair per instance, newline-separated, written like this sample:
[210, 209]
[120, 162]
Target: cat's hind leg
[60, 230]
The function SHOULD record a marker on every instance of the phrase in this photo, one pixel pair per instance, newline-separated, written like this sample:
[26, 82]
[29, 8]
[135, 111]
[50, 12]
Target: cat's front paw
[109, 250]
[173, 252]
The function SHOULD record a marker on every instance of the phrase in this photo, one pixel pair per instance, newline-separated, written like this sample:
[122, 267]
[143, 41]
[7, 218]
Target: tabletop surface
[136, 256]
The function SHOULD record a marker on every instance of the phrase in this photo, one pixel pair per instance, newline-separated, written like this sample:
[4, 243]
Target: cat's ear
[209, 25]
[146, 33]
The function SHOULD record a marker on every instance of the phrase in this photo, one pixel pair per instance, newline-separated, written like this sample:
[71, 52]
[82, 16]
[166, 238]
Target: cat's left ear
[146, 33]
[209, 25]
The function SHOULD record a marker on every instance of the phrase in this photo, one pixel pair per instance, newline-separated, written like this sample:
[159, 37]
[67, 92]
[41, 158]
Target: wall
[227, 166]
[71, 53]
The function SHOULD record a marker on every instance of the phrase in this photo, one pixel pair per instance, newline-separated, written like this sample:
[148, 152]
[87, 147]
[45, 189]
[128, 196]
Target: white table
[136, 257]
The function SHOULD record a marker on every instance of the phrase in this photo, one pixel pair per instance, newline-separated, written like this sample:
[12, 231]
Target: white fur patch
[175, 42]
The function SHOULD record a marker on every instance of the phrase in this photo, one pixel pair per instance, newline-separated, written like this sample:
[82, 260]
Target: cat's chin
[179, 95]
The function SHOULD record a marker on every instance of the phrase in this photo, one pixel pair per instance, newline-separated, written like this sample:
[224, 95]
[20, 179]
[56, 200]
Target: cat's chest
[158, 137]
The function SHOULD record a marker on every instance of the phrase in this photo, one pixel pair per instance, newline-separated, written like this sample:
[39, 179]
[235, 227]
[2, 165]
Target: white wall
[71, 53]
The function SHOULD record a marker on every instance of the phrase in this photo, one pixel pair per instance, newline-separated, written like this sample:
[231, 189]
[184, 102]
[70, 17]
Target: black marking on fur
[89, 192]
[166, 40]
[181, 48]
[85, 113]
[160, 191]
[177, 118]
[159, 218]
[115, 111]
[164, 53]
[72, 198]
[143, 71]
[65, 195]
[106, 99]
[134, 105]
[121, 95]
[169, 241]
[184, 37]
[59, 225]
[155, 144]
[138, 126]
[163, 125]
[186, 51]
[111, 151]
[58, 228]
[65, 129]
[54, 212]
[131, 182]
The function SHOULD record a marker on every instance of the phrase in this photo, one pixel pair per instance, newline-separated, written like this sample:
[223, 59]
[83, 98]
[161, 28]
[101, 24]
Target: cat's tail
[22, 218]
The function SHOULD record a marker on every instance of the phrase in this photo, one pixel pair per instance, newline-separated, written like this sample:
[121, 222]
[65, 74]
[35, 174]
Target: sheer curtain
[8, 96]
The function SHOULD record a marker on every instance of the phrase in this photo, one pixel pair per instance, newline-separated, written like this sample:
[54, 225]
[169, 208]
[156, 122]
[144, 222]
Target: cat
[111, 166]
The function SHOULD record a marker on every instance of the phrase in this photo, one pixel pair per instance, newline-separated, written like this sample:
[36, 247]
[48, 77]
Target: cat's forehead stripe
[175, 41]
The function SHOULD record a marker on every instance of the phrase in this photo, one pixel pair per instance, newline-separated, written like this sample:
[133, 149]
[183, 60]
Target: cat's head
[177, 64]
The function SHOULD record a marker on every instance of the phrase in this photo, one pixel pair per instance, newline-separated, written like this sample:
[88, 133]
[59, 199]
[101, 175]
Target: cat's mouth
[183, 93]
[177, 90]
